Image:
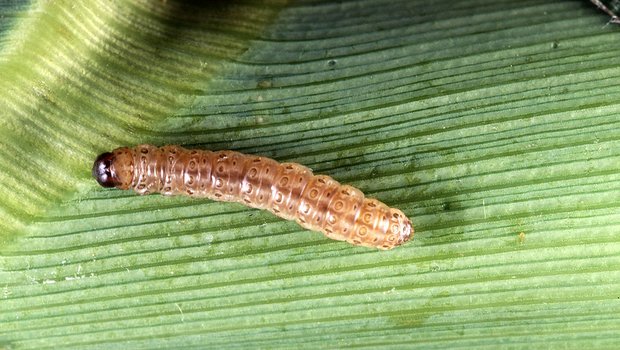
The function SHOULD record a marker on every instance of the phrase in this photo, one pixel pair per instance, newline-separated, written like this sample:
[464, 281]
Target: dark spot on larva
[396, 215]
[167, 189]
[374, 240]
[219, 183]
[345, 230]
[363, 231]
[261, 197]
[193, 152]
[321, 180]
[275, 210]
[290, 207]
[314, 193]
[385, 246]
[190, 180]
[338, 206]
[248, 188]
[279, 197]
[289, 167]
[231, 189]
[283, 181]
[328, 194]
[301, 220]
[345, 192]
[266, 170]
[141, 186]
[357, 241]
[170, 159]
[234, 163]
[328, 231]
[252, 173]
[256, 160]
[192, 164]
[371, 204]
[247, 200]
[220, 169]
[222, 155]
[144, 150]
[190, 192]
[218, 195]
[305, 208]
[318, 218]
[204, 160]
[143, 159]
[391, 238]
[395, 228]
[354, 207]
[367, 218]
[331, 220]
[301, 179]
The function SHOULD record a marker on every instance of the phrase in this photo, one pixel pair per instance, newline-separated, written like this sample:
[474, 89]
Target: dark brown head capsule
[115, 169]
[103, 170]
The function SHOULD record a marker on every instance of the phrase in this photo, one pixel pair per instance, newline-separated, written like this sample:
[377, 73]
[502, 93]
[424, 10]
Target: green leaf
[492, 124]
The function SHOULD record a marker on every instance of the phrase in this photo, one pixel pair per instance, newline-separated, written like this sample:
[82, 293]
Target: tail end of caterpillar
[407, 231]
[110, 169]
[401, 230]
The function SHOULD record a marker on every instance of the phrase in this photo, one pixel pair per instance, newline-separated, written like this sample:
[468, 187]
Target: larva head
[114, 169]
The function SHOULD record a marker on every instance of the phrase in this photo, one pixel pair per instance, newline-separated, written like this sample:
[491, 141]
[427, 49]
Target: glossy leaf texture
[493, 125]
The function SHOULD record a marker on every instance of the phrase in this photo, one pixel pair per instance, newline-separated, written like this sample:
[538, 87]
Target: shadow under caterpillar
[289, 190]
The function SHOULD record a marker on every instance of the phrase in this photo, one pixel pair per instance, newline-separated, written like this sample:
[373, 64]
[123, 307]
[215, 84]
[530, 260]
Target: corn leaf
[494, 125]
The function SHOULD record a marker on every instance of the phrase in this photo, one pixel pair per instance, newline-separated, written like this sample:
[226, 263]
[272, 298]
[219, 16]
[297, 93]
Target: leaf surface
[492, 124]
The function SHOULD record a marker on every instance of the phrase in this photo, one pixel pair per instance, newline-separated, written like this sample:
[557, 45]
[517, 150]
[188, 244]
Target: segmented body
[289, 190]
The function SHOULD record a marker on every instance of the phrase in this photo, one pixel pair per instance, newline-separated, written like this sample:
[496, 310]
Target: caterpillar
[289, 190]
